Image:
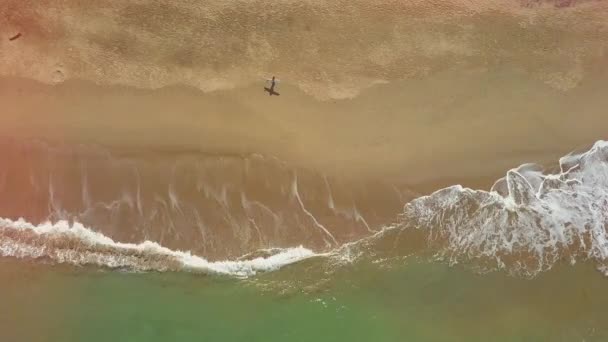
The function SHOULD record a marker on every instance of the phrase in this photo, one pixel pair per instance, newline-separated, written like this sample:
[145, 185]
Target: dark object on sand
[271, 89]
[15, 36]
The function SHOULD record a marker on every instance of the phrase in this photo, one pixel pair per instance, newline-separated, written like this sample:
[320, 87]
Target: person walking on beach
[271, 89]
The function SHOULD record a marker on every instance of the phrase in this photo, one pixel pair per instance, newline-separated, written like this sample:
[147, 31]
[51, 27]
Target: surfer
[271, 89]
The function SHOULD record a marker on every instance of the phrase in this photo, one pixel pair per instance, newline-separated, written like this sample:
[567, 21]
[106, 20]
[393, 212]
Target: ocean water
[415, 301]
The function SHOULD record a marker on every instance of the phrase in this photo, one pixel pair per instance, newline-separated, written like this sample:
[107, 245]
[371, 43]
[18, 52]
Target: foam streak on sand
[78, 245]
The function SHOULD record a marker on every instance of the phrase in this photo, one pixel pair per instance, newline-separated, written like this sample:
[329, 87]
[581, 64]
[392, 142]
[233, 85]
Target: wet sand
[455, 125]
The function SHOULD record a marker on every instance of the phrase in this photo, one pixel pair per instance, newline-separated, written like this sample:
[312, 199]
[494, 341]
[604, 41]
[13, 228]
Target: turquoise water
[414, 301]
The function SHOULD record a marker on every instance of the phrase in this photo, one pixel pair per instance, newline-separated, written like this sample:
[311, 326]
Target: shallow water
[414, 301]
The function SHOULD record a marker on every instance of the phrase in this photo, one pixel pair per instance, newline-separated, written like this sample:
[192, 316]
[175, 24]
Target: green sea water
[413, 301]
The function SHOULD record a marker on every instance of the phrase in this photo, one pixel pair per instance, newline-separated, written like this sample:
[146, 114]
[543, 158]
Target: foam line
[79, 245]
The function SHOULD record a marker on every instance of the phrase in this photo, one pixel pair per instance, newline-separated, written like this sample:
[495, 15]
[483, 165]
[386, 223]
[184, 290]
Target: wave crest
[527, 222]
[77, 245]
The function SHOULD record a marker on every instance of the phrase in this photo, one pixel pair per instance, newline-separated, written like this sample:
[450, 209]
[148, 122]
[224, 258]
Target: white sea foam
[78, 245]
[527, 222]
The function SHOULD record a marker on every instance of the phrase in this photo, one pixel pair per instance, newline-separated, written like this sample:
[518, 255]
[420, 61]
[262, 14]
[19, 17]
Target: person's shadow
[271, 89]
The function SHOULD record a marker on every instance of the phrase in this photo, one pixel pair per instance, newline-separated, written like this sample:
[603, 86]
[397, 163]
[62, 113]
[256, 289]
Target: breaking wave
[527, 223]
[77, 245]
